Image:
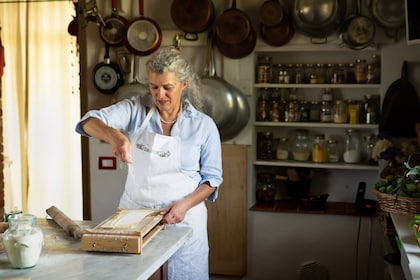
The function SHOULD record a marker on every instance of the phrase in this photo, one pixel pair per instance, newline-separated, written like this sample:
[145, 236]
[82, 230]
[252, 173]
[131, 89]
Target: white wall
[277, 243]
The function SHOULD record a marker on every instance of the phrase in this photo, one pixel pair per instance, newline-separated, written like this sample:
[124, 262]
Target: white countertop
[410, 250]
[63, 258]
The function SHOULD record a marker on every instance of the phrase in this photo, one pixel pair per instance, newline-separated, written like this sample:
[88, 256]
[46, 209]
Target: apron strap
[148, 116]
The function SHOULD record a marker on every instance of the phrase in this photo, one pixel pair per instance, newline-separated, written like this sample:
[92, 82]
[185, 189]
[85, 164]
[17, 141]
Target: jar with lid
[326, 111]
[265, 187]
[351, 152]
[303, 111]
[349, 77]
[301, 146]
[333, 153]
[288, 74]
[353, 109]
[265, 145]
[319, 149]
[339, 111]
[338, 74]
[320, 73]
[264, 70]
[314, 111]
[367, 147]
[361, 71]
[292, 107]
[23, 240]
[282, 151]
[329, 71]
[299, 73]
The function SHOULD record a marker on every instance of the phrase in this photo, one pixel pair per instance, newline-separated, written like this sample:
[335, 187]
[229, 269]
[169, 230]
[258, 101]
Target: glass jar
[326, 111]
[353, 109]
[314, 111]
[299, 74]
[320, 73]
[262, 106]
[303, 111]
[23, 241]
[301, 147]
[339, 111]
[265, 145]
[360, 71]
[349, 77]
[367, 147]
[265, 187]
[282, 152]
[333, 151]
[351, 152]
[264, 70]
[319, 150]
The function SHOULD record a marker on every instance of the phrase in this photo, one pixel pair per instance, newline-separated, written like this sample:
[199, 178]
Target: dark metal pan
[107, 76]
[114, 30]
[358, 31]
[278, 35]
[192, 16]
[271, 13]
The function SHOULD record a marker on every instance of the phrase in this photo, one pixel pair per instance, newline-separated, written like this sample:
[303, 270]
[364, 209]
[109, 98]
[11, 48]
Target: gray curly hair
[170, 59]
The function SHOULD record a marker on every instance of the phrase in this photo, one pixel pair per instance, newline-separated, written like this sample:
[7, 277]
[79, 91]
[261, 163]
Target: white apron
[154, 181]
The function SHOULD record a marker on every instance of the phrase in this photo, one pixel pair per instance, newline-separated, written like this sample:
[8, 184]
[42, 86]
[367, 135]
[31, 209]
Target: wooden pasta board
[126, 231]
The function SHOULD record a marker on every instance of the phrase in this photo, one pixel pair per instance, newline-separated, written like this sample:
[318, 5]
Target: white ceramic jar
[23, 241]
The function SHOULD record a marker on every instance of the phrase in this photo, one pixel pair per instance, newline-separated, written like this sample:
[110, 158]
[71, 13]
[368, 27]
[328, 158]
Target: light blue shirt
[201, 153]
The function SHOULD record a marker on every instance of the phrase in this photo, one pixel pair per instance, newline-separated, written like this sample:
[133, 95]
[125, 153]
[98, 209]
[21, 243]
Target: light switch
[107, 163]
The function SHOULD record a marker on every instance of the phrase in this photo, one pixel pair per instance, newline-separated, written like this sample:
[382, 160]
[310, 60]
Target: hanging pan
[144, 35]
[278, 35]
[390, 15]
[192, 16]
[271, 13]
[233, 26]
[318, 18]
[358, 31]
[113, 32]
[219, 101]
[107, 76]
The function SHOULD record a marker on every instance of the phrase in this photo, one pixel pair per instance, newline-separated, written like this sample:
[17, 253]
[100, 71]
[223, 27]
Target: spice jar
[351, 147]
[361, 71]
[264, 70]
[339, 111]
[23, 241]
[326, 111]
[301, 147]
[282, 151]
[319, 150]
[353, 109]
[333, 150]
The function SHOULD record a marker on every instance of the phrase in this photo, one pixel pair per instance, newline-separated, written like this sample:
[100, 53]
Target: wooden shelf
[317, 124]
[332, 208]
[310, 164]
[355, 86]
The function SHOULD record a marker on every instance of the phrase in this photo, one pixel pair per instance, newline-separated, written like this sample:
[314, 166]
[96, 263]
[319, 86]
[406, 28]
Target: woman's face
[166, 91]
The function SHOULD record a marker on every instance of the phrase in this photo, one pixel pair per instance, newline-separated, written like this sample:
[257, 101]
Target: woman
[173, 151]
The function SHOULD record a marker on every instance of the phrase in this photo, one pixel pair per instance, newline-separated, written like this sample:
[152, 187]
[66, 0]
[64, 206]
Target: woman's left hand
[174, 213]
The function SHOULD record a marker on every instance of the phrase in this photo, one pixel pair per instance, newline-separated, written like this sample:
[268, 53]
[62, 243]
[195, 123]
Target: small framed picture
[412, 21]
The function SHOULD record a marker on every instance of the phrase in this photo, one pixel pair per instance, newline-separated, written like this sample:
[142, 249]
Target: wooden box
[126, 231]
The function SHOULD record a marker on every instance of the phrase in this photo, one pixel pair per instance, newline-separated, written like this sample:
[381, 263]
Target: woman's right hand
[121, 148]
